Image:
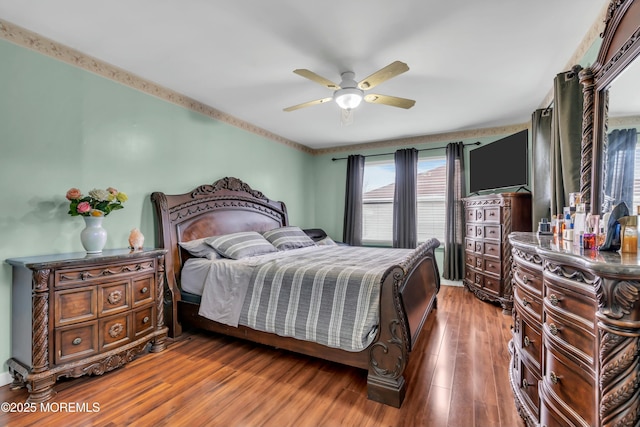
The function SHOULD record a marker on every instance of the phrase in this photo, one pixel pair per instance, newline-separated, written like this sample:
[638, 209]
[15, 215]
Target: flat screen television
[500, 164]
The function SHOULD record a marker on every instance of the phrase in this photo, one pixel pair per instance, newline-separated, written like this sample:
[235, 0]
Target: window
[377, 203]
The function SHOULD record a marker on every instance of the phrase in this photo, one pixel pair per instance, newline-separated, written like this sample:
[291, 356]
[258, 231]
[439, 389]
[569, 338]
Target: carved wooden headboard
[227, 206]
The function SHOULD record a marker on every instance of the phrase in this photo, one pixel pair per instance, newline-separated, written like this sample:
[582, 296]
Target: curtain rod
[387, 154]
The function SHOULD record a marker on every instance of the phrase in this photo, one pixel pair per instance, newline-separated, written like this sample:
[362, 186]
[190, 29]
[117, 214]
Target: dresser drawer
[471, 230]
[528, 387]
[143, 290]
[579, 306]
[527, 278]
[528, 302]
[470, 245]
[75, 305]
[492, 214]
[76, 342]
[572, 386]
[114, 331]
[572, 337]
[491, 249]
[470, 259]
[114, 297]
[492, 266]
[492, 232]
[492, 284]
[471, 214]
[143, 321]
[531, 342]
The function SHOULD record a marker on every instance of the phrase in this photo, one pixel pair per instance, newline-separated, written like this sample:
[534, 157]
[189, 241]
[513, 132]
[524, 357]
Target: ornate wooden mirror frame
[620, 46]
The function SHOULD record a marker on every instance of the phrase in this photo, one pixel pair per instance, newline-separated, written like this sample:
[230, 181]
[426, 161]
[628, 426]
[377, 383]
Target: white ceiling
[473, 64]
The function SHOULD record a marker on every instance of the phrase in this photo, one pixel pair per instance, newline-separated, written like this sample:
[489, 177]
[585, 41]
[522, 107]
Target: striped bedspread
[329, 296]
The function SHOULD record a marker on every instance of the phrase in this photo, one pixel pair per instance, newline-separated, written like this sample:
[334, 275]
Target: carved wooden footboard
[408, 292]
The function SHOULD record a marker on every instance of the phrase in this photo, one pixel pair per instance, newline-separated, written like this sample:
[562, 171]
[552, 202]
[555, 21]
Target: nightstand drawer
[113, 298]
[143, 290]
[75, 305]
[143, 321]
[76, 342]
[114, 331]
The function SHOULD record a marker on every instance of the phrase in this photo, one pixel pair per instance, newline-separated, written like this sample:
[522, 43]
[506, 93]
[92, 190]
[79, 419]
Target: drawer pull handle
[76, 341]
[525, 383]
[525, 279]
[553, 329]
[527, 341]
[115, 330]
[146, 319]
[553, 299]
[525, 302]
[114, 297]
[144, 290]
[554, 378]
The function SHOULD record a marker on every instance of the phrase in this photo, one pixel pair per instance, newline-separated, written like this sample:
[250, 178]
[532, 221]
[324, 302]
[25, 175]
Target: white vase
[93, 236]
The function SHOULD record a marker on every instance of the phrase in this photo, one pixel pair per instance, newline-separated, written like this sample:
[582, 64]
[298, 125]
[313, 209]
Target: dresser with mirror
[575, 352]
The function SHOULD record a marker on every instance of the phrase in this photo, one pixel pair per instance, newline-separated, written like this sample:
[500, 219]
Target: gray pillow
[199, 248]
[289, 237]
[241, 245]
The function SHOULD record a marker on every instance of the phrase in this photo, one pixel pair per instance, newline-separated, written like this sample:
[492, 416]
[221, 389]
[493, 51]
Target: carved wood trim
[40, 325]
[109, 271]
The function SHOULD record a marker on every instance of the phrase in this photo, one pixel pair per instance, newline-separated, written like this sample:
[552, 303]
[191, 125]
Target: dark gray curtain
[352, 229]
[454, 213]
[405, 199]
[566, 138]
[541, 170]
[619, 169]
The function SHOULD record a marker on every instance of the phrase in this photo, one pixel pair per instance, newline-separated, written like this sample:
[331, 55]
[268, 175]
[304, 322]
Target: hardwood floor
[457, 376]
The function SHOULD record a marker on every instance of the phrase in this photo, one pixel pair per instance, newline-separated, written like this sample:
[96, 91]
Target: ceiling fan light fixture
[348, 98]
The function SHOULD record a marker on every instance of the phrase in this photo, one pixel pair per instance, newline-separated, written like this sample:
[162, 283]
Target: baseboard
[5, 378]
[446, 282]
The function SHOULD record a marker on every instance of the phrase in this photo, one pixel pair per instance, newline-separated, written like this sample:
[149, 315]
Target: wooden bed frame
[229, 205]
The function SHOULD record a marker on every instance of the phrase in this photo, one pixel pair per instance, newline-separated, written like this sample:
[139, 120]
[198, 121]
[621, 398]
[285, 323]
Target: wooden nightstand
[76, 314]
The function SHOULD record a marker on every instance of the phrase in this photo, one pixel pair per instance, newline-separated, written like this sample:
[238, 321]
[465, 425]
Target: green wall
[63, 127]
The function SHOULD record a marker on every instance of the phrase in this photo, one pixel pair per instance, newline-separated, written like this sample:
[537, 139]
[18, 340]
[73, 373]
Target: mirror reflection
[621, 174]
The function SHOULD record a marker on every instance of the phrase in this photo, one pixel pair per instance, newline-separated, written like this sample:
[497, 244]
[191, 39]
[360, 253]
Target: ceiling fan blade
[307, 104]
[393, 101]
[382, 75]
[316, 78]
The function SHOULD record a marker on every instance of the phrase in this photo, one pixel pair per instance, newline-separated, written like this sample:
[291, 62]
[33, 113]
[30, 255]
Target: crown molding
[30, 40]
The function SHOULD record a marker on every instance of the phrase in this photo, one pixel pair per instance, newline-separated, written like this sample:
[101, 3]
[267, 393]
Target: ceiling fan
[349, 93]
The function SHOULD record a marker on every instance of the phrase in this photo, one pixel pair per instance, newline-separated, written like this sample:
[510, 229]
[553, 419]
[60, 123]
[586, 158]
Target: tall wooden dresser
[576, 334]
[77, 314]
[489, 220]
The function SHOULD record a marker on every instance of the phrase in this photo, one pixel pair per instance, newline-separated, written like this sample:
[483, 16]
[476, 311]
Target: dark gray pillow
[289, 237]
[241, 245]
